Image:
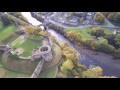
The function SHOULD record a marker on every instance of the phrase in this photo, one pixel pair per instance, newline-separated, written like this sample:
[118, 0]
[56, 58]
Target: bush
[106, 48]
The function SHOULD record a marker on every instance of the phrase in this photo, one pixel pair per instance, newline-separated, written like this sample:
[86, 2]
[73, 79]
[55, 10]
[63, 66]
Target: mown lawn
[27, 45]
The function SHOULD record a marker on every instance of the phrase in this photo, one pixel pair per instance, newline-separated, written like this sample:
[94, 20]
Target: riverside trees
[70, 66]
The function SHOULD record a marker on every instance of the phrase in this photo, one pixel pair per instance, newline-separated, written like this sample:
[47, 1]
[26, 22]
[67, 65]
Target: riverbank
[89, 58]
[109, 65]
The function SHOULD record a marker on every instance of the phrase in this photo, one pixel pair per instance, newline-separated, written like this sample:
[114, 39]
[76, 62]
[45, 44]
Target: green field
[51, 73]
[7, 35]
[5, 73]
[15, 64]
[83, 32]
[5, 32]
[27, 45]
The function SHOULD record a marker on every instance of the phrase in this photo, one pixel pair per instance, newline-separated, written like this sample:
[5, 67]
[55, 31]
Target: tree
[75, 73]
[114, 16]
[92, 72]
[53, 38]
[103, 40]
[110, 38]
[32, 29]
[88, 43]
[117, 40]
[73, 36]
[98, 32]
[99, 17]
[105, 13]
[63, 44]
[117, 53]
[67, 65]
[81, 20]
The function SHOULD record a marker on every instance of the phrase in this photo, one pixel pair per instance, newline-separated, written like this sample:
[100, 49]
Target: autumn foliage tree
[93, 72]
[74, 37]
[70, 66]
[67, 65]
[32, 29]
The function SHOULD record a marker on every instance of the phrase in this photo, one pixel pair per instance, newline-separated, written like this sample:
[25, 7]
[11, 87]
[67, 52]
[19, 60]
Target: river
[108, 67]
